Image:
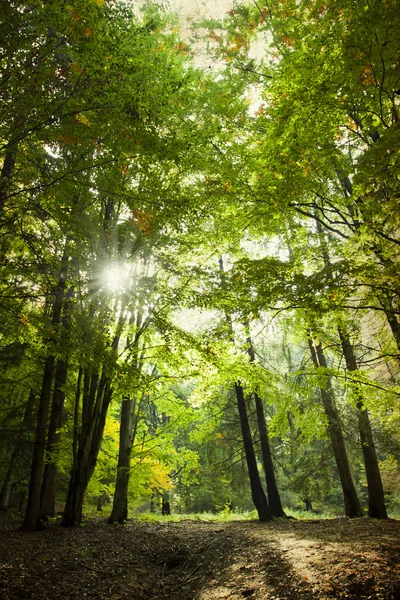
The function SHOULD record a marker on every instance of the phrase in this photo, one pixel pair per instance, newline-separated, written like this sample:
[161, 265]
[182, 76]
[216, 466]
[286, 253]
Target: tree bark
[95, 402]
[6, 174]
[32, 519]
[87, 453]
[308, 504]
[48, 492]
[127, 434]
[12, 467]
[257, 492]
[351, 502]
[166, 505]
[394, 326]
[376, 498]
[119, 512]
[274, 499]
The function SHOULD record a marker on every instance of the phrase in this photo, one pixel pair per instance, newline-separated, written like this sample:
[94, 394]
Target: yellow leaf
[82, 119]
[25, 320]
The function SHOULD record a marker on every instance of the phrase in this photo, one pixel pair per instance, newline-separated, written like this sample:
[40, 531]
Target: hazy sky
[192, 10]
[207, 8]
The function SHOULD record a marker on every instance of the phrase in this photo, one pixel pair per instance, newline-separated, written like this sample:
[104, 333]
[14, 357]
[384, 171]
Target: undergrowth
[225, 516]
[222, 516]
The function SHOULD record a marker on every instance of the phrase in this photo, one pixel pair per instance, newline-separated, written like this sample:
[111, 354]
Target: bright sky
[192, 10]
[207, 8]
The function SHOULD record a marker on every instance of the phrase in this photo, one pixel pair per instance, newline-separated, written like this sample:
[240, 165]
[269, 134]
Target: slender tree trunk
[308, 504]
[5, 177]
[274, 499]
[119, 511]
[9, 479]
[166, 505]
[128, 428]
[32, 519]
[96, 400]
[48, 492]
[12, 467]
[394, 326]
[376, 498]
[257, 492]
[86, 458]
[81, 446]
[351, 501]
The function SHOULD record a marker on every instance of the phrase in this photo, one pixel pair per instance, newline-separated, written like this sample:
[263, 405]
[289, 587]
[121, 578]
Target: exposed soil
[283, 560]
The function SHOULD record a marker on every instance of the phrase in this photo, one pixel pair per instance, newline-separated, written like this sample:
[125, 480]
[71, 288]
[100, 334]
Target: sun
[115, 278]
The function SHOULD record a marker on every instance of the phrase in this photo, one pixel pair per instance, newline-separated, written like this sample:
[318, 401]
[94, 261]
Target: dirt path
[283, 560]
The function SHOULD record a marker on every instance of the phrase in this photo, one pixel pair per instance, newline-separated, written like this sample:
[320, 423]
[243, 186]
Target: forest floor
[194, 560]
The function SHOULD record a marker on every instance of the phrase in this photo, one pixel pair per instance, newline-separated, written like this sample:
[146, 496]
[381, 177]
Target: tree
[91, 161]
[274, 499]
[351, 501]
[376, 500]
[125, 153]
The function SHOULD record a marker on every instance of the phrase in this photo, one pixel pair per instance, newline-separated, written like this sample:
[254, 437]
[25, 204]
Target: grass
[307, 515]
[223, 516]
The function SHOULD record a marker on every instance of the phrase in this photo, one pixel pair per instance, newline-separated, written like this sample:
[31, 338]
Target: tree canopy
[199, 289]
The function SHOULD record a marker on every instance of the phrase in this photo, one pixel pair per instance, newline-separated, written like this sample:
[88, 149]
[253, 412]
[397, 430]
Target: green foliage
[222, 517]
[129, 178]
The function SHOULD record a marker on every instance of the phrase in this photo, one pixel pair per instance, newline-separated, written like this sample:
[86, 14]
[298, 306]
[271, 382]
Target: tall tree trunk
[96, 400]
[9, 479]
[5, 176]
[393, 322]
[87, 453]
[351, 501]
[48, 492]
[12, 467]
[128, 428]
[119, 512]
[274, 499]
[32, 519]
[376, 498]
[165, 503]
[257, 492]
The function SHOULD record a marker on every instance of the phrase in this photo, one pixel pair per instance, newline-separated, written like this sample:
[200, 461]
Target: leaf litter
[352, 559]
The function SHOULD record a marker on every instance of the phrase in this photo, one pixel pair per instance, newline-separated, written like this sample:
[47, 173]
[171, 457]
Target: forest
[199, 262]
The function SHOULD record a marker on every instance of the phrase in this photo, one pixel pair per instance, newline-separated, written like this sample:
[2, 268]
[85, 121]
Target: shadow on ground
[282, 560]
